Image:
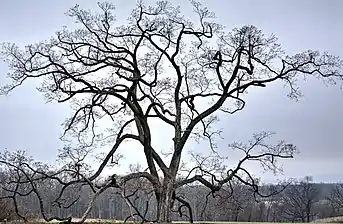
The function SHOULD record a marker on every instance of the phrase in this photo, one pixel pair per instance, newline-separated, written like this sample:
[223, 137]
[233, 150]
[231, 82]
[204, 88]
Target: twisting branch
[186, 204]
[208, 169]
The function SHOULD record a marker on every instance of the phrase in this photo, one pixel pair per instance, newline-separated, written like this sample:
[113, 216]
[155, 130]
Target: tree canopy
[159, 67]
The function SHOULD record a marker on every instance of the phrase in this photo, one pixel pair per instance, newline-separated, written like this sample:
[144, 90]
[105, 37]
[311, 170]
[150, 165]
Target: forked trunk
[164, 198]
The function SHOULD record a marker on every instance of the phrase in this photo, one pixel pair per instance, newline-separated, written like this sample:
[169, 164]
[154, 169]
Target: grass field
[110, 221]
[93, 221]
[179, 222]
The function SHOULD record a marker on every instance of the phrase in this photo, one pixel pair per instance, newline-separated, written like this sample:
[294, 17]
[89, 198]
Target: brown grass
[338, 219]
[113, 221]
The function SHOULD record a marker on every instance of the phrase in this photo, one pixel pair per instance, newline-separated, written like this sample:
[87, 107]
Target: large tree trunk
[164, 198]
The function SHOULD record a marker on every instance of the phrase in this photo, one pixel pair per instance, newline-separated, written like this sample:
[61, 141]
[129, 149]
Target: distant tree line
[301, 200]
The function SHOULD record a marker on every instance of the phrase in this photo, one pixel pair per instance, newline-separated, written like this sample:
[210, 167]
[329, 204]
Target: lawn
[110, 221]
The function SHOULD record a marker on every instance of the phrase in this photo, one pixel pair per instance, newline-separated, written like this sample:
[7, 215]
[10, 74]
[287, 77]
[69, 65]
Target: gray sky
[314, 123]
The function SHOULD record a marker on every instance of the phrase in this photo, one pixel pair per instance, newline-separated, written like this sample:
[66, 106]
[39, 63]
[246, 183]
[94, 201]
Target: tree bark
[164, 198]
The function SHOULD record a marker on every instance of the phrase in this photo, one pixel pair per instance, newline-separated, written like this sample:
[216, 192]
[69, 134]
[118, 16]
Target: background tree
[299, 199]
[273, 204]
[6, 205]
[335, 199]
[235, 201]
[159, 67]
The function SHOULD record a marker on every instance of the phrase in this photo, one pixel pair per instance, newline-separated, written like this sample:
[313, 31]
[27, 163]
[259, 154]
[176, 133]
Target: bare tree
[273, 204]
[6, 205]
[335, 199]
[299, 199]
[156, 68]
[234, 204]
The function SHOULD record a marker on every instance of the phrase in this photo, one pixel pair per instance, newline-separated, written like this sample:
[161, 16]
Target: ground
[110, 221]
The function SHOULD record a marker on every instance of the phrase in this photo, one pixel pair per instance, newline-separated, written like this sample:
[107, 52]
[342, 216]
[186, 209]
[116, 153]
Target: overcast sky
[314, 123]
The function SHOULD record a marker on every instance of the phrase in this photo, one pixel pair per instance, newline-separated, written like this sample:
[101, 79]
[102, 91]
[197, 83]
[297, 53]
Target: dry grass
[113, 221]
[338, 219]
[38, 221]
